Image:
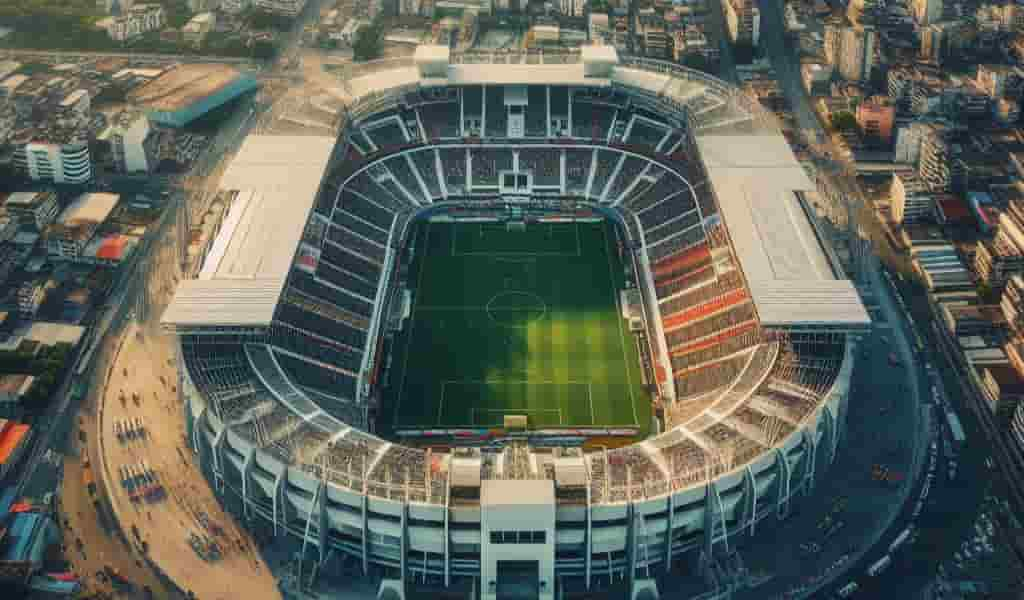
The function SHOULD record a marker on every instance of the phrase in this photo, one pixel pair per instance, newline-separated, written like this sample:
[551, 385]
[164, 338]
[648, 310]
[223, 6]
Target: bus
[847, 590]
[899, 541]
[880, 565]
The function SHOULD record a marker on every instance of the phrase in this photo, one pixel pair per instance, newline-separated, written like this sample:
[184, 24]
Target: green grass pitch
[515, 322]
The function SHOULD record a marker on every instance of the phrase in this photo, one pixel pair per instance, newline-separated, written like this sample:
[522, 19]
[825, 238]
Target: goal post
[515, 422]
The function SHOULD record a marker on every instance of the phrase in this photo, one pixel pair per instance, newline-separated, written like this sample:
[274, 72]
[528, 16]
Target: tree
[696, 61]
[844, 121]
[369, 43]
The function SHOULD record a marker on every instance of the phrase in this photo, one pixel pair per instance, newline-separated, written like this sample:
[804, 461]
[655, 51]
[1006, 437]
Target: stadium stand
[630, 168]
[577, 170]
[403, 174]
[604, 168]
[453, 166]
[440, 119]
[426, 164]
[544, 163]
[487, 163]
[536, 111]
[496, 114]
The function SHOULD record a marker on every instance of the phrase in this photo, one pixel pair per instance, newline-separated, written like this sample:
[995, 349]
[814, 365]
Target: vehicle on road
[899, 541]
[847, 590]
[879, 566]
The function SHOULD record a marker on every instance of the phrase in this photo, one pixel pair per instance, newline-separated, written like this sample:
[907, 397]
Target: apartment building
[139, 19]
[36, 208]
[287, 8]
[1000, 259]
[857, 53]
[926, 12]
[68, 236]
[234, 7]
[59, 161]
[936, 156]
[743, 21]
[132, 142]
[875, 117]
[909, 199]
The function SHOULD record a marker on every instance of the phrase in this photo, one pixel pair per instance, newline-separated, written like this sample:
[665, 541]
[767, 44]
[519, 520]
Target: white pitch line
[618, 319]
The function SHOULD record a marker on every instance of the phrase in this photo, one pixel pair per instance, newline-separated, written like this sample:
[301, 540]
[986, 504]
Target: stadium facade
[749, 327]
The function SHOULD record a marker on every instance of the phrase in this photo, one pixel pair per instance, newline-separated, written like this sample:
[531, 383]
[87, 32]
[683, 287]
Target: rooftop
[25, 199]
[88, 209]
[755, 179]
[247, 265]
[517, 492]
[183, 86]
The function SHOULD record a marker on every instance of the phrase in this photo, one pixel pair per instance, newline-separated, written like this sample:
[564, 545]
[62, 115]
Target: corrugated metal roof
[240, 303]
[791, 280]
[277, 178]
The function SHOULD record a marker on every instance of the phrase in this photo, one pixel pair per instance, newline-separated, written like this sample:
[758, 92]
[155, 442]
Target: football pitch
[515, 322]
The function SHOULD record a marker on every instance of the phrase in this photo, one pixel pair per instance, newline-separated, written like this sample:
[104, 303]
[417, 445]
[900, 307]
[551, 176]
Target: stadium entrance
[518, 580]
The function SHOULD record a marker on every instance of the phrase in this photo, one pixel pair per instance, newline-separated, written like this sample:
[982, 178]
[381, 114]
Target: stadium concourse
[310, 356]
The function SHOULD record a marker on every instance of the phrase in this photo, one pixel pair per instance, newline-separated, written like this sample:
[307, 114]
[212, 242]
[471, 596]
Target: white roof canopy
[277, 178]
[755, 179]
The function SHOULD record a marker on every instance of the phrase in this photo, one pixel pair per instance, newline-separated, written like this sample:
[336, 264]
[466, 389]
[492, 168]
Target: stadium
[557, 327]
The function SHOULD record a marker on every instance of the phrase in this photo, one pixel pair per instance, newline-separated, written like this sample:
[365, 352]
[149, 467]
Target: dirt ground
[141, 386]
[99, 547]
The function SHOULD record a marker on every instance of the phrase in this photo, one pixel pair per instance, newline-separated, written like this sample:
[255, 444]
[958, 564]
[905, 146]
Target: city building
[235, 7]
[743, 21]
[36, 208]
[68, 236]
[10, 259]
[31, 294]
[65, 158]
[13, 389]
[936, 158]
[857, 53]
[182, 94]
[117, 7]
[926, 12]
[74, 108]
[1003, 390]
[132, 142]
[998, 80]
[909, 199]
[14, 540]
[8, 227]
[287, 8]
[1000, 259]
[875, 117]
[833, 40]
[202, 6]
[1006, 111]
[572, 8]
[1012, 304]
[137, 20]
[198, 27]
[937, 40]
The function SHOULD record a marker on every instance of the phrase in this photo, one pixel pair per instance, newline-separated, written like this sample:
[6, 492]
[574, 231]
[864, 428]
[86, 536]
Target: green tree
[844, 121]
[696, 61]
[369, 43]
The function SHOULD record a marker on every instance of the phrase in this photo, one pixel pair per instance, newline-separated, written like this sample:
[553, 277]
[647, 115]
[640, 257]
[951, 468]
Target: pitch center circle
[516, 309]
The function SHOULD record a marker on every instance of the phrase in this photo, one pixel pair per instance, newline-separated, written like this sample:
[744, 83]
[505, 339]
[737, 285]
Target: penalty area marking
[482, 383]
[510, 411]
[578, 252]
